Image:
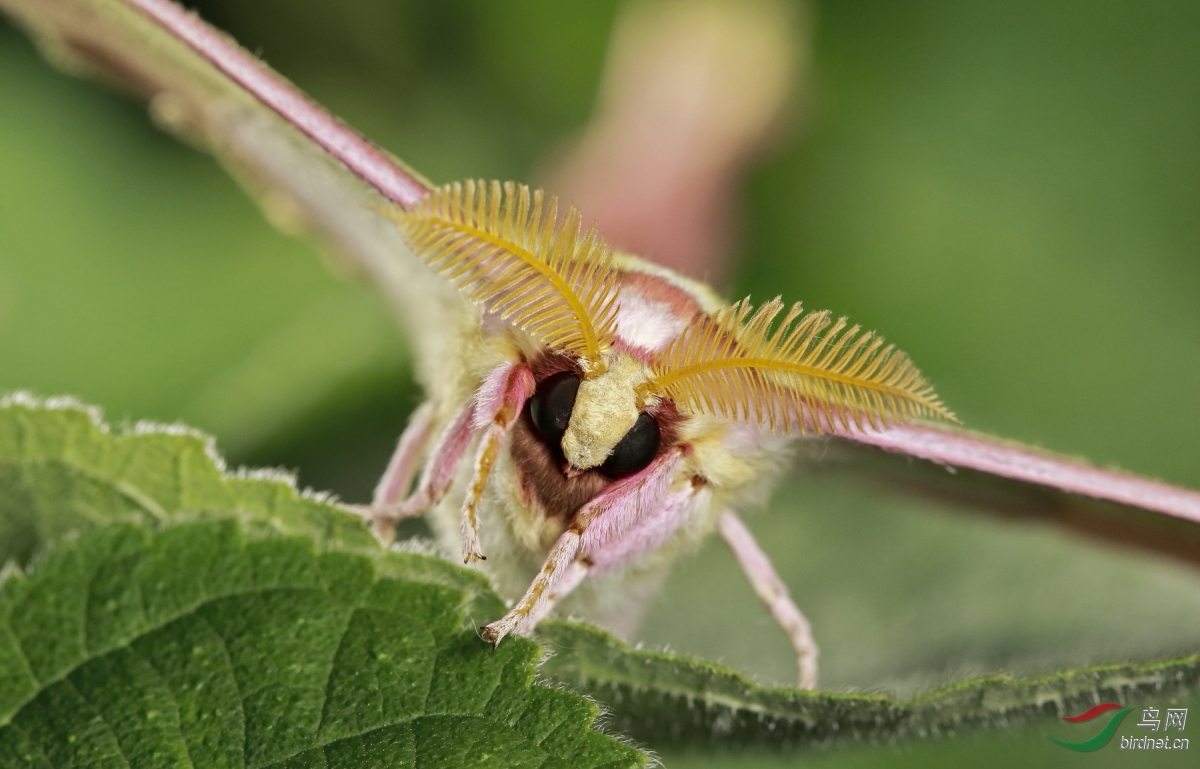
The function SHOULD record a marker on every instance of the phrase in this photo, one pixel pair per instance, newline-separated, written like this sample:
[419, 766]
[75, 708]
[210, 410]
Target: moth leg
[397, 478]
[498, 404]
[773, 593]
[539, 599]
[385, 511]
[650, 531]
[610, 514]
[571, 578]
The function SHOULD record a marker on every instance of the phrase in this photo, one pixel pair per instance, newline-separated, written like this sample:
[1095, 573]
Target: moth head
[598, 421]
[782, 368]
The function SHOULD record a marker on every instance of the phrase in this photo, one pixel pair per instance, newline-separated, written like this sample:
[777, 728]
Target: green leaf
[186, 582]
[205, 619]
[664, 699]
[212, 643]
[63, 472]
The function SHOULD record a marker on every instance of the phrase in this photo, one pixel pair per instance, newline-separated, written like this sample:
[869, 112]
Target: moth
[601, 415]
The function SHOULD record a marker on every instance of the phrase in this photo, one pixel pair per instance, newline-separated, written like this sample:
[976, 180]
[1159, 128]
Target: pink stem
[362, 157]
[955, 448]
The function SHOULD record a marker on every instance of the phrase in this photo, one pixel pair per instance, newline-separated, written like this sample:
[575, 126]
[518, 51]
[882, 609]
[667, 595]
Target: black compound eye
[550, 407]
[635, 450]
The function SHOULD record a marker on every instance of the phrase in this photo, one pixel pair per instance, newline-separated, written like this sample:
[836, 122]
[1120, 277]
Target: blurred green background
[1009, 191]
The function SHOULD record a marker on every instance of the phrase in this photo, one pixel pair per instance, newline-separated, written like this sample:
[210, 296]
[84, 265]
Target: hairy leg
[571, 578]
[609, 516]
[772, 592]
[397, 478]
[650, 531]
[387, 508]
[498, 403]
[493, 410]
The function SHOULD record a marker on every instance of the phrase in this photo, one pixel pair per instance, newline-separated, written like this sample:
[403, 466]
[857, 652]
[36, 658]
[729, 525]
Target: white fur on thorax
[647, 324]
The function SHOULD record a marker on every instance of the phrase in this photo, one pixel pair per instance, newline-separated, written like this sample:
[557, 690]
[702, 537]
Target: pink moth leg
[494, 409]
[387, 508]
[397, 478]
[772, 592]
[645, 535]
[608, 517]
[650, 531]
[498, 403]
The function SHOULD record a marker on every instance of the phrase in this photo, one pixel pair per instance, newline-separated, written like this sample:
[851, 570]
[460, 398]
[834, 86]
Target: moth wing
[975, 472]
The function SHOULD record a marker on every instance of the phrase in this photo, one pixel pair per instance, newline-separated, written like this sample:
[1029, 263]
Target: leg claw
[491, 635]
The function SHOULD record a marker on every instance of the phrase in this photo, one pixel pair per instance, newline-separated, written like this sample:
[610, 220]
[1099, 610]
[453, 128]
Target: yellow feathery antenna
[809, 373]
[505, 253]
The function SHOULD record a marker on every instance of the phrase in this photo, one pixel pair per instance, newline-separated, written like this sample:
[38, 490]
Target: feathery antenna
[504, 251]
[804, 373]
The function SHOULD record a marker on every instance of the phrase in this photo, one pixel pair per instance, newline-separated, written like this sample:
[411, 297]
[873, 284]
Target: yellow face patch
[605, 408]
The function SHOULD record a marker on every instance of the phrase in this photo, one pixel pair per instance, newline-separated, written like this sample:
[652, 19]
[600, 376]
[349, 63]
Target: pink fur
[647, 325]
[619, 507]
[498, 402]
[573, 575]
[493, 409]
[439, 470]
[608, 516]
[650, 532]
[450, 448]
[509, 384]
